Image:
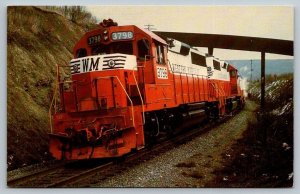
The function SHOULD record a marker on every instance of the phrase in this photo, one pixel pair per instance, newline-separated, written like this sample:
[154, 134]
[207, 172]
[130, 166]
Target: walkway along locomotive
[128, 86]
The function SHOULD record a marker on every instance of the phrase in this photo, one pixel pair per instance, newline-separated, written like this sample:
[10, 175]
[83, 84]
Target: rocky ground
[189, 165]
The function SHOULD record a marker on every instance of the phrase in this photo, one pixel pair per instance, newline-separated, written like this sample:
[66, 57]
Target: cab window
[160, 58]
[115, 47]
[143, 49]
[81, 53]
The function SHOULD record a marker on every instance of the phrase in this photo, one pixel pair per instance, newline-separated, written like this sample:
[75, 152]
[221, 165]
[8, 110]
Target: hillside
[37, 40]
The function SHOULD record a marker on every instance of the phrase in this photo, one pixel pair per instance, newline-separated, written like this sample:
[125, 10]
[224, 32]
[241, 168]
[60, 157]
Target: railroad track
[83, 175]
[57, 175]
[147, 154]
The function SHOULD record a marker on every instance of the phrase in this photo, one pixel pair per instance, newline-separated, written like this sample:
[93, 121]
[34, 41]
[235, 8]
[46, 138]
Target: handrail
[132, 111]
[143, 110]
[194, 87]
[181, 88]
[216, 87]
[174, 81]
[188, 87]
[53, 99]
[222, 90]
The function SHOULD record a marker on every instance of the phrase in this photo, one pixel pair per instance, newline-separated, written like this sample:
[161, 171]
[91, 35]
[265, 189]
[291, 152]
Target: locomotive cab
[233, 79]
[136, 56]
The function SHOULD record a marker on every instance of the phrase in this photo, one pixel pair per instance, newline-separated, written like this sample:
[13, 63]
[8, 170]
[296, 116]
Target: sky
[256, 21]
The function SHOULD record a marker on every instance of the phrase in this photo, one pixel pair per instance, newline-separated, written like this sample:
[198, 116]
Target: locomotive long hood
[103, 62]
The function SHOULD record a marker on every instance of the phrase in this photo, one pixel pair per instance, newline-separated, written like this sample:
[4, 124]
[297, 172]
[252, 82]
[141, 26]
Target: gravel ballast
[189, 165]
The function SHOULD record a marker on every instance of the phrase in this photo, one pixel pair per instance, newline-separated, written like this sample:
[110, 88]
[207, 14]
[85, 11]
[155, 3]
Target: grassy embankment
[264, 156]
[37, 40]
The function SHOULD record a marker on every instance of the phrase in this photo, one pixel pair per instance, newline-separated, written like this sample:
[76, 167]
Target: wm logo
[89, 64]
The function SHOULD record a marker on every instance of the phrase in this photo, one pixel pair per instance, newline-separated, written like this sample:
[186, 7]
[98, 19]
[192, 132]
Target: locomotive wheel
[166, 122]
[214, 112]
[151, 129]
[168, 129]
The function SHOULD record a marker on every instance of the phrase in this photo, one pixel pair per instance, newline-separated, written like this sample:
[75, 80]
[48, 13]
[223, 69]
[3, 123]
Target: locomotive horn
[109, 22]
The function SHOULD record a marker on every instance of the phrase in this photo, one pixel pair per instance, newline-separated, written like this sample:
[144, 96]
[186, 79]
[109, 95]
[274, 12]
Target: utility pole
[251, 71]
[149, 27]
[263, 80]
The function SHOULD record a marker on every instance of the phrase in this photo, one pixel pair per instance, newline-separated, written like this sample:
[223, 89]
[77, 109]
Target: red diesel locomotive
[129, 86]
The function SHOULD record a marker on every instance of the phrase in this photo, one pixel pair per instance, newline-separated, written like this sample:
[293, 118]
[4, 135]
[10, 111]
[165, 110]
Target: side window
[81, 53]
[143, 48]
[160, 58]
[217, 65]
[198, 59]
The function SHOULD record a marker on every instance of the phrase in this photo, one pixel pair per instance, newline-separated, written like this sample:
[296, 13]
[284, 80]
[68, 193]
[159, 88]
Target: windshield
[115, 47]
